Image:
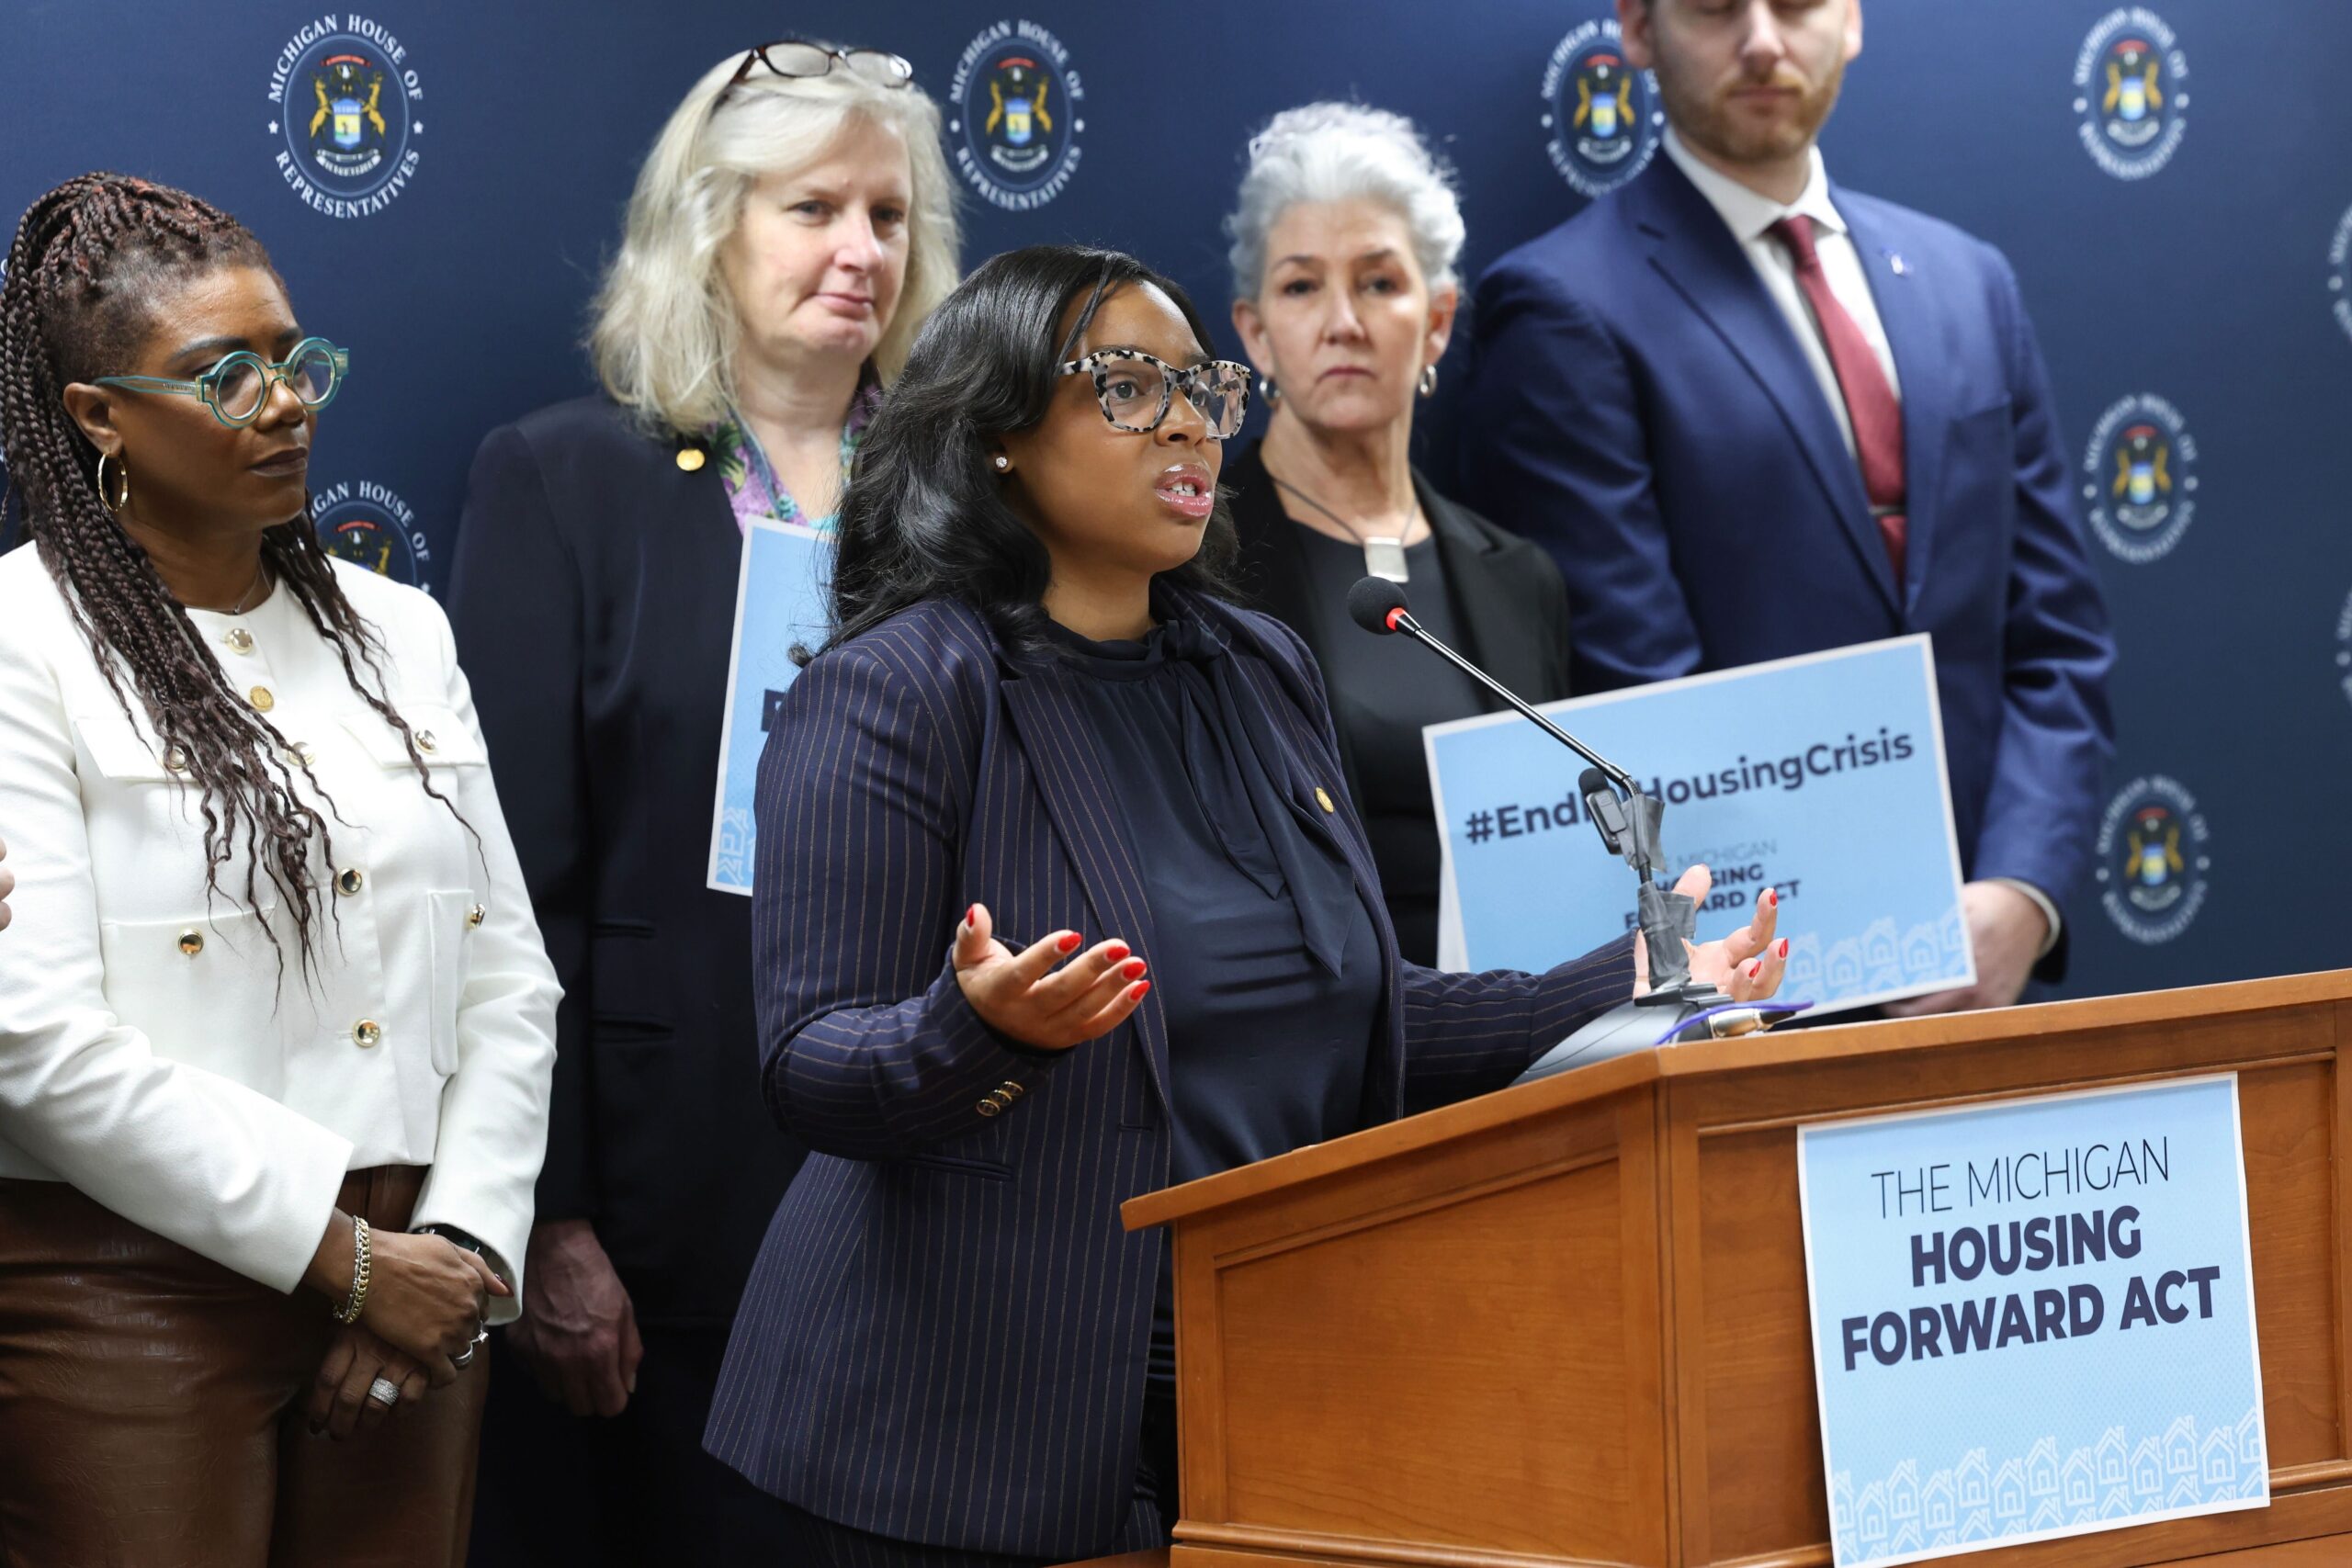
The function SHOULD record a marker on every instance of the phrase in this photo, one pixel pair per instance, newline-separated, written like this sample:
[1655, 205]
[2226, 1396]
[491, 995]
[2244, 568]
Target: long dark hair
[923, 517]
[87, 266]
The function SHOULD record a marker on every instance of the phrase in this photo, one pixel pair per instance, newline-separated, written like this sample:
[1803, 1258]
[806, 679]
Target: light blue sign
[780, 604]
[2032, 1319]
[1822, 776]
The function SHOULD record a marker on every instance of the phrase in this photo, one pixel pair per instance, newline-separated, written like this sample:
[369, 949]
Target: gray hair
[1335, 151]
[665, 329]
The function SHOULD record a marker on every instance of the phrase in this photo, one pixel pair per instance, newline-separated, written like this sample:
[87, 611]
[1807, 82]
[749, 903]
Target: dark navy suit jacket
[1640, 405]
[944, 1337]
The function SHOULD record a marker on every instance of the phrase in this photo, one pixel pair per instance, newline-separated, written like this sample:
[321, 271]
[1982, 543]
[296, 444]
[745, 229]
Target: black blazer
[593, 598]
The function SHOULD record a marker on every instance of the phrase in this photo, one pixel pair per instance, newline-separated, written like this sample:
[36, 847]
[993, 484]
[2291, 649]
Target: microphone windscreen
[1372, 601]
[1592, 781]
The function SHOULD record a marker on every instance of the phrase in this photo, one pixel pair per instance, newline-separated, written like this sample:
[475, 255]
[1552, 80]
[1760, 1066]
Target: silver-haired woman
[790, 229]
[1344, 243]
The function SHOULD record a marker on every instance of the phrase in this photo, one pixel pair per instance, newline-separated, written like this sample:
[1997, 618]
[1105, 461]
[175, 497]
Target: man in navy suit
[1754, 414]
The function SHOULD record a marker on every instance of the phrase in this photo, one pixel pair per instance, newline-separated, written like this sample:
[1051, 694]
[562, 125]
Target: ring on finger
[384, 1392]
[464, 1358]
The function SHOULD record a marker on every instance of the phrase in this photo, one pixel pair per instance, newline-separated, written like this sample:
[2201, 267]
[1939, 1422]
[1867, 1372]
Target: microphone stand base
[1628, 1027]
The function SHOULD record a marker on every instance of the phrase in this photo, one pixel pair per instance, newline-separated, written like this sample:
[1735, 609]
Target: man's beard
[1711, 125]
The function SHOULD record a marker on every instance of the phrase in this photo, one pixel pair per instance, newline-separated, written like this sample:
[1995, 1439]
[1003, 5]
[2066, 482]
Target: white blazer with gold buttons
[154, 1052]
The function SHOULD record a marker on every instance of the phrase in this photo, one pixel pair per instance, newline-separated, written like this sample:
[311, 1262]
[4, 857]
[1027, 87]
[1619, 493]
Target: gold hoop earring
[1429, 380]
[113, 503]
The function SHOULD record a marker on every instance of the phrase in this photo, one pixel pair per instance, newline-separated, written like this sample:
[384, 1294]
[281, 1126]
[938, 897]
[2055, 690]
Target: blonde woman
[791, 228]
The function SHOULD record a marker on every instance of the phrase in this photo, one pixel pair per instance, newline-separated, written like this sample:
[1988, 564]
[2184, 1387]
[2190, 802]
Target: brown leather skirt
[153, 1407]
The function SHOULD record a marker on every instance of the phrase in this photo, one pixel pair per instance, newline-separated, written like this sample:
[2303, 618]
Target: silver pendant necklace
[1383, 554]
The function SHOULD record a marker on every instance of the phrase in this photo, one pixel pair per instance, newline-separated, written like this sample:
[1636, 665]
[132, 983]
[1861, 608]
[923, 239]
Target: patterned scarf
[752, 488]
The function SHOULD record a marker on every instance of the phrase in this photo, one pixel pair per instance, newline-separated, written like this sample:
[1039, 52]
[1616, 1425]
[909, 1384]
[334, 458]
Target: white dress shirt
[154, 1053]
[1750, 216]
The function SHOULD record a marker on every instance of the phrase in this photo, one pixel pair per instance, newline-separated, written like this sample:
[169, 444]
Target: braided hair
[89, 262]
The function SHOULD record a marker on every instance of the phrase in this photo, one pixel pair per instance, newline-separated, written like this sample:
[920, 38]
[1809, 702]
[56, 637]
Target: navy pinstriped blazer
[944, 1338]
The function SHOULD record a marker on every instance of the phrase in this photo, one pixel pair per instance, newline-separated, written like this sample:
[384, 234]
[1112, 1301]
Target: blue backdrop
[2191, 291]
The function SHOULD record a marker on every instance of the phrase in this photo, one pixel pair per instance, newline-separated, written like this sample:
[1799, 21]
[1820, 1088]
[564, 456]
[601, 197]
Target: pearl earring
[1003, 462]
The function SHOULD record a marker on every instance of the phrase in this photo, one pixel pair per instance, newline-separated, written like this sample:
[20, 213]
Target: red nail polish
[972, 916]
[1132, 969]
[1772, 898]
[1142, 990]
[1117, 951]
[1069, 943]
[1755, 968]
[1784, 947]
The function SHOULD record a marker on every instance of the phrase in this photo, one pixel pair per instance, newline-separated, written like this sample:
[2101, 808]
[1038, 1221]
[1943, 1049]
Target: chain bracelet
[348, 1313]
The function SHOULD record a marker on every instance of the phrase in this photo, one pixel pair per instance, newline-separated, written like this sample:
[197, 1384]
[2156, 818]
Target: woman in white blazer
[276, 1026]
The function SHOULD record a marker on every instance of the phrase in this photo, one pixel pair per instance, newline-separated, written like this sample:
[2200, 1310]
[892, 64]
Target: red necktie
[1871, 407]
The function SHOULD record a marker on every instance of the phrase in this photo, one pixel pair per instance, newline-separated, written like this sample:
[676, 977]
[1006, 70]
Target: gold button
[1323, 798]
[351, 881]
[191, 942]
[425, 742]
[365, 1032]
[175, 760]
[690, 459]
[988, 1107]
[240, 641]
[475, 916]
[261, 699]
[1010, 1089]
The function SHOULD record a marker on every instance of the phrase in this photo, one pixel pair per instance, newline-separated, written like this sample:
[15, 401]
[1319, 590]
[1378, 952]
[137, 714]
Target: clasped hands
[427, 1299]
[1051, 996]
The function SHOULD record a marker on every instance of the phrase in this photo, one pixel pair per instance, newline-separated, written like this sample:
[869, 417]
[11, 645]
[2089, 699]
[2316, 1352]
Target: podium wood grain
[1567, 1324]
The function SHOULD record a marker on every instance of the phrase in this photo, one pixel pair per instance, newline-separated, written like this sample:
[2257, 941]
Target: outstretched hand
[1747, 966]
[1037, 997]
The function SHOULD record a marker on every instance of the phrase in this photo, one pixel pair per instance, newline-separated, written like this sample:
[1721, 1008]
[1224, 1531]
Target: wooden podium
[1566, 1323]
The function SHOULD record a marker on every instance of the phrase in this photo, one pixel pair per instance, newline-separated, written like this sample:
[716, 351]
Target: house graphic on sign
[2041, 1468]
[2008, 1491]
[2079, 1480]
[1935, 1503]
[2110, 1457]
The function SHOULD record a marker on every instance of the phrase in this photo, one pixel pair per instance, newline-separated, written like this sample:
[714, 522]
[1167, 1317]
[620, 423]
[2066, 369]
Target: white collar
[1749, 214]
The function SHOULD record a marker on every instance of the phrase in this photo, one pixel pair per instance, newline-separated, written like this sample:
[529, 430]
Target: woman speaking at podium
[1059, 900]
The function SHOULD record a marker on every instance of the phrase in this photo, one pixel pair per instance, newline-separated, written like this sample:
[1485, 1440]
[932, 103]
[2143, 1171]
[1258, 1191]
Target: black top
[1496, 598]
[1269, 977]
[1383, 689]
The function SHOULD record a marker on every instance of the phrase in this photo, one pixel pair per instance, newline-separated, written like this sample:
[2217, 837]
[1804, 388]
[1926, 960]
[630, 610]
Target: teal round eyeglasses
[237, 389]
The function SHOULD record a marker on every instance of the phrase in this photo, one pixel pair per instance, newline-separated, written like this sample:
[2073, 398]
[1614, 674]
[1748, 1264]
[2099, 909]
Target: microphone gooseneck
[1627, 821]
[1378, 604]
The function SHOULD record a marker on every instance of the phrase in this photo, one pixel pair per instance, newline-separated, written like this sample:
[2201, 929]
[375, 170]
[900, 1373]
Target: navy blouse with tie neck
[1268, 967]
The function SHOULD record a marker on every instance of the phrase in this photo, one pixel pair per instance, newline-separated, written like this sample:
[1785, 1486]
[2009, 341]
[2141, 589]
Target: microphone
[1627, 821]
[1378, 604]
[1374, 603]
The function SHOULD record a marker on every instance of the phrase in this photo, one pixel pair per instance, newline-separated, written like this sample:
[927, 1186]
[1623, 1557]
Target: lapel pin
[1894, 259]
